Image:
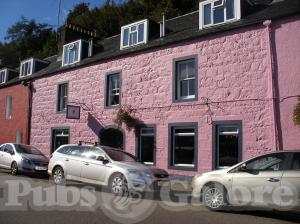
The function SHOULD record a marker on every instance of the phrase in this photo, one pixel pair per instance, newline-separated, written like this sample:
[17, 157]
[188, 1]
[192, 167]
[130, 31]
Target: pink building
[208, 89]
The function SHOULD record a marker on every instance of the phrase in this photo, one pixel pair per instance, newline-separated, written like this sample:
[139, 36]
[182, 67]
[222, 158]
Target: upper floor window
[134, 34]
[8, 111]
[113, 90]
[62, 97]
[185, 79]
[2, 76]
[26, 68]
[213, 12]
[72, 53]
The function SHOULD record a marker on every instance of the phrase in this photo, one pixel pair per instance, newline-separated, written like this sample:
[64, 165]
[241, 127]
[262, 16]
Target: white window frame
[112, 90]
[32, 65]
[5, 76]
[79, 53]
[178, 81]
[237, 13]
[136, 24]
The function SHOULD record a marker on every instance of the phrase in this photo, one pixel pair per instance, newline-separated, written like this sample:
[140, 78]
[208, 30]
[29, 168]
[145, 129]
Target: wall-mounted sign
[73, 112]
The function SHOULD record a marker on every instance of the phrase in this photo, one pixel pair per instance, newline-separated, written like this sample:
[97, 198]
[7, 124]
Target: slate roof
[180, 29]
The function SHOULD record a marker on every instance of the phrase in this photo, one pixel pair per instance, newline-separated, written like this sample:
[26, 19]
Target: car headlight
[26, 160]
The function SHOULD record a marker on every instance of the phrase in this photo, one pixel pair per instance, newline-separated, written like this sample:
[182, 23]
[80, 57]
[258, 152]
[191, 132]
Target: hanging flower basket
[296, 114]
[124, 116]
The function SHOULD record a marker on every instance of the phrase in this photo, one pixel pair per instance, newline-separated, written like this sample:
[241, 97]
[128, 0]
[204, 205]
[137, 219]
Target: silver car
[106, 166]
[22, 158]
[268, 181]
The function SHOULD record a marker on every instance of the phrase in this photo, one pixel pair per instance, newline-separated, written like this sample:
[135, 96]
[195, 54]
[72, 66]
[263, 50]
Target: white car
[268, 181]
[106, 166]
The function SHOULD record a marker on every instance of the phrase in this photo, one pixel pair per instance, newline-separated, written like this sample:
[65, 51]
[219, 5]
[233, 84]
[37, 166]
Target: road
[26, 199]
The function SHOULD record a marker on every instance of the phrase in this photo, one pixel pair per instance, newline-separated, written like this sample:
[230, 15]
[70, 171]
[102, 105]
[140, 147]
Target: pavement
[34, 199]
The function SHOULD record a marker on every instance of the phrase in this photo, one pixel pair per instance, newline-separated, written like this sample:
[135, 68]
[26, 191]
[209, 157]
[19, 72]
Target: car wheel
[214, 197]
[118, 185]
[14, 168]
[58, 175]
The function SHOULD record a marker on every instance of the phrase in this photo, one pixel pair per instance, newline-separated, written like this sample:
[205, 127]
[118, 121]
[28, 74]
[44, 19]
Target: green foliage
[296, 114]
[124, 117]
[27, 39]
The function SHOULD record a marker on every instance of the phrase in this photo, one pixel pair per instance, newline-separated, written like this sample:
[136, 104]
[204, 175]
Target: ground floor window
[146, 144]
[183, 146]
[59, 137]
[227, 143]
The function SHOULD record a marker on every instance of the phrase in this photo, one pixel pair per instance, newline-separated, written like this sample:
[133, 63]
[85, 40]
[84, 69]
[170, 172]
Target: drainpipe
[271, 83]
[29, 88]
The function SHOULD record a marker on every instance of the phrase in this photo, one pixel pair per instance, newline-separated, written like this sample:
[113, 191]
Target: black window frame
[171, 128]
[176, 98]
[107, 105]
[52, 150]
[59, 97]
[138, 140]
[215, 125]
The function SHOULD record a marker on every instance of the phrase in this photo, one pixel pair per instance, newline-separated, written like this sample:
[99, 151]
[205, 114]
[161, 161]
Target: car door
[291, 181]
[93, 170]
[72, 161]
[1, 155]
[7, 157]
[255, 185]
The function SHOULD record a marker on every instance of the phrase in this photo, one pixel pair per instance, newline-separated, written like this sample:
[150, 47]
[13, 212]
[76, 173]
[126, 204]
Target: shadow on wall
[94, 124]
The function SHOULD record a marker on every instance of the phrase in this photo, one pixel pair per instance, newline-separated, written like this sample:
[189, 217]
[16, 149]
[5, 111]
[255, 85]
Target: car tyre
[118, 185]
[58, 175]
[14, 169]
[214, 197]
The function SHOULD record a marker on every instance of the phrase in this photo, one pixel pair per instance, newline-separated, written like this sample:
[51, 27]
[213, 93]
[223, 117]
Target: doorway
[112, 137]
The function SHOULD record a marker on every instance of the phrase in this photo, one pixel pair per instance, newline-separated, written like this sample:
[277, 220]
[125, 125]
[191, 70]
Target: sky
[43, 11]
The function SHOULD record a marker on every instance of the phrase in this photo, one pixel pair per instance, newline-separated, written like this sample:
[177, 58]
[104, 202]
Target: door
[93, 170]
[255, 185]
[59, 137]
[1, 155]
[7, 157]
[73, 161]
[291, 181]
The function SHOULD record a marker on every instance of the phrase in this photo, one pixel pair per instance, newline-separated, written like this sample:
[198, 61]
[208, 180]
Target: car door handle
[86, 164]
[273, 180]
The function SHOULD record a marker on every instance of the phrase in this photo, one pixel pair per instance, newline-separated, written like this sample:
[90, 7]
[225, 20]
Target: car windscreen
[118, 155]
[26, 149]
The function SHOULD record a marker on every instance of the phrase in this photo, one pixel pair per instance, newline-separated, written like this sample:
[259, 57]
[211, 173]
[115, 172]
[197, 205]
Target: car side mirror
[243, 168]
[102, 159]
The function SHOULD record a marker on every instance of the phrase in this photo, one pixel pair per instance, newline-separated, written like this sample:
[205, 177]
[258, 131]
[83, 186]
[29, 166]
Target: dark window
[59, 137]
[273, 162]
[113, 90]
[8, 112]
[185, 78]
[9, 149]
[227, 143]
[62, 97]
[2, 148]
[296, 162]
[183, 146]
[146, 145]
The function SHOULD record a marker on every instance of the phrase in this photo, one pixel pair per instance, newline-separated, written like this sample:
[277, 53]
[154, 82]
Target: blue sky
[43, 11]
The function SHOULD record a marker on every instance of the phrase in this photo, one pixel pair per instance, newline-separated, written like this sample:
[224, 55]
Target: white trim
[79, 52]
[32, 66]
[5, 70]
[146, 33]
[184, 165]
[237, 13]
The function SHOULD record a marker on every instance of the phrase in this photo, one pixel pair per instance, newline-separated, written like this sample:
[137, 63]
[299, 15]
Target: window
[134, 34]
[214, 12]
[183, 146]
[146, 145]
[59, 137]
[8, 112]
[72, 53]
[185, 79]
[26, 68]
[9, 149]
[296, 162]
[113, 89]
[273, 162]
[2, 76]
[62, 97]
[227, 143]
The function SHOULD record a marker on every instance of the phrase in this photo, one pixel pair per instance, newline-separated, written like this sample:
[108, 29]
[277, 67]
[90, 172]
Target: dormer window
[26, 68]
[134, 34]
[3, 76]
[72, 53]
[214, 12]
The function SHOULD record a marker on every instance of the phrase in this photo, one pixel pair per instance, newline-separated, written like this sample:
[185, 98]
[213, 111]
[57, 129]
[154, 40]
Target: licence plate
[41, 168]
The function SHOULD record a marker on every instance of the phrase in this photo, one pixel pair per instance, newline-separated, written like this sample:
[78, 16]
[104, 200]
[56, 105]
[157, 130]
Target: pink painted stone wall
[287, 49]
[233, 70]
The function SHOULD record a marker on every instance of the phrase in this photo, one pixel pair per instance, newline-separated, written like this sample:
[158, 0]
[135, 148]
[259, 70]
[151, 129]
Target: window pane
[207, 14]
[113, 90]
[218, 3]
[218, 15]
[268, 163]
[228, 150]
[66, 52]
[62, 97]
[191, 69]
[76, 51]
[147, 149]
[184, 148]
[230, 9]
[191, 87]
[29, 68]
[141, 33]
[126, 37]
[184, 88]
[133, 38]
[8, 107]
